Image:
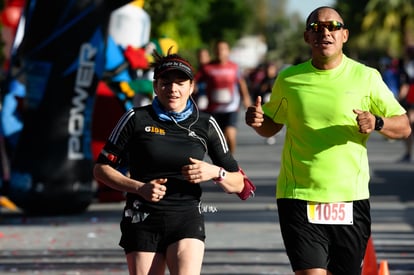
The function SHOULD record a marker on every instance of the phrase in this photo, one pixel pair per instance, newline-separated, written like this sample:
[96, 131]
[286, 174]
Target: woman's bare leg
[185, 257]
[146, 263]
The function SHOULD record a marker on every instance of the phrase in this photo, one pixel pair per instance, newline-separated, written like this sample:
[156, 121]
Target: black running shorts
[226, 119]
[156, 231]
[337, 248]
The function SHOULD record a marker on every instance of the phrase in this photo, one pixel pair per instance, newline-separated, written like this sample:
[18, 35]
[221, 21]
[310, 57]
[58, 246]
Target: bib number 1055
[330, 213]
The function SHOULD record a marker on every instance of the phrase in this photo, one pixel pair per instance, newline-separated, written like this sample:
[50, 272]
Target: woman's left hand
[198, 171]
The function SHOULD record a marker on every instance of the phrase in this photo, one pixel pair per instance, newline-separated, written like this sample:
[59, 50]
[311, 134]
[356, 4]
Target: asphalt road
[243, 237]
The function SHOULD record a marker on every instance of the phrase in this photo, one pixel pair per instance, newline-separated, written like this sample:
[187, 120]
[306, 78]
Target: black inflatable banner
[61, 58]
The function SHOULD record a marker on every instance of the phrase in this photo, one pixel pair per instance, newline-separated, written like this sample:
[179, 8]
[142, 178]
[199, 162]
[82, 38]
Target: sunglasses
[321, 26]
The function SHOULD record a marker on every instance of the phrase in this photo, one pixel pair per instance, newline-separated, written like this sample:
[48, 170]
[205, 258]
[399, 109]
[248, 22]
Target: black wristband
[379, 123]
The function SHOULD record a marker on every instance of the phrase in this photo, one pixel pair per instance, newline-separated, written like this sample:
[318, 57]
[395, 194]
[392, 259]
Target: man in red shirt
[226, 89]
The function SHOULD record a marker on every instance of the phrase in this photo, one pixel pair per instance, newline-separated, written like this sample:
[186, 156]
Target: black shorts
[226, 119]
[156, 231]
[337, 248]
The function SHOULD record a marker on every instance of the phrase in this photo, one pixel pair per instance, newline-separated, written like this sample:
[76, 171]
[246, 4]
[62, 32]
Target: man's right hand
[254, 114]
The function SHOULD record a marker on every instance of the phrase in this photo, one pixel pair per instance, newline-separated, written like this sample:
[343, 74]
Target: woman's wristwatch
[221, 175]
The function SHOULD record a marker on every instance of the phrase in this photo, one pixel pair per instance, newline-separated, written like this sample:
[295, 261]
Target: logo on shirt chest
[154, 130]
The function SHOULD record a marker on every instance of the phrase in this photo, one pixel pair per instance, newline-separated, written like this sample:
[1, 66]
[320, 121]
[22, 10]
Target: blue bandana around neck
[164, 115]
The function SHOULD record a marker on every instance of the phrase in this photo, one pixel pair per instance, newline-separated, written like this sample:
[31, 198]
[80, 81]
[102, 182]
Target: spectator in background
[397, 80]
[226, 88]
[266, 85]
[254, 78]
[406, 98]
[265, 89]
[203, 57]
[391, 76]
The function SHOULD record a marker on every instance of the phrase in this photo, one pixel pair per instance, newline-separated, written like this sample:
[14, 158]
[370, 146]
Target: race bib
[222, 96]
[330, 213]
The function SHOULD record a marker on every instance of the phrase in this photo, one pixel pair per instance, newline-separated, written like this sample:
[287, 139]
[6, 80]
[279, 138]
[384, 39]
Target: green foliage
[378, 27]
[194, 23]
[353, 12]
[177, 20]
[227, 20]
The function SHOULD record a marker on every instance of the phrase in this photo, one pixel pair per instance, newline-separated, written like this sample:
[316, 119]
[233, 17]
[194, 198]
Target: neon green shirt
[325, 157]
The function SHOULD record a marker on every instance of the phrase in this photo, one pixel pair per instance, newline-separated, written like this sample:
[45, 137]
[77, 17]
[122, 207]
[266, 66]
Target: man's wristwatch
[379, 123]
[221, 175]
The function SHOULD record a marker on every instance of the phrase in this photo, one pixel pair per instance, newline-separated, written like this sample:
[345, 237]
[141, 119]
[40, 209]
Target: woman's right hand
[154, 190]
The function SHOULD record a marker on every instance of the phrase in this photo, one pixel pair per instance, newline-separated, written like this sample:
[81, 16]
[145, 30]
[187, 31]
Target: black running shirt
[153, 149]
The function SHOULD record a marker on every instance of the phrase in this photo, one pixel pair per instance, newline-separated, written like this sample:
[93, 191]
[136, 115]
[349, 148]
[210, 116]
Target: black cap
[174, 64]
